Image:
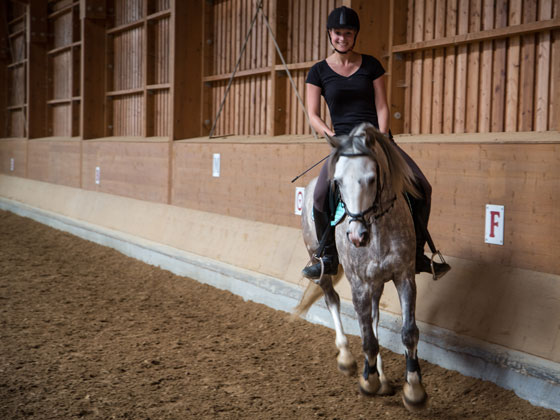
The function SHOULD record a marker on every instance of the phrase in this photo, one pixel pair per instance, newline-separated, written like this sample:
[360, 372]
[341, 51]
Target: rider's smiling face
[343, 39]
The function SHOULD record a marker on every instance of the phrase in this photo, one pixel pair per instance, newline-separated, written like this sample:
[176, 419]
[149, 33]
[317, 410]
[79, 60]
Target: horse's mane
[394, 170]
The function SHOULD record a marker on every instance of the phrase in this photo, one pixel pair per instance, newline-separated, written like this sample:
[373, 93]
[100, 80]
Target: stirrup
[443, 263]
[309, 264]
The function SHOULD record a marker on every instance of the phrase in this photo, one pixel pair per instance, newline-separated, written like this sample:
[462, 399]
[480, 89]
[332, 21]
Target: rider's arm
[381, 104]
[313, 94]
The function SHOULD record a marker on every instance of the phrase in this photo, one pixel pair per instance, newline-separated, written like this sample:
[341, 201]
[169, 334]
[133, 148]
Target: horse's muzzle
[357, 234]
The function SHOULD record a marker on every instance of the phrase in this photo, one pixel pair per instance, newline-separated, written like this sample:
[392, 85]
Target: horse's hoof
[414, 397]
[348, 370]
[346, 363]
[386, 389]
[370, 386]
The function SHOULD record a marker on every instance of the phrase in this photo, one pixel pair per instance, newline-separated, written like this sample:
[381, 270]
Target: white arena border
[532, 378]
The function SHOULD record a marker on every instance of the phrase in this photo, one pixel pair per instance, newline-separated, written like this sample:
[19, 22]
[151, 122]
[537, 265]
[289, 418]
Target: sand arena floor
[89, 333]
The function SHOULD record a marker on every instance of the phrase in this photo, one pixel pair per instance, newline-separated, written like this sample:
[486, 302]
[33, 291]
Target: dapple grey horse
[376, 244]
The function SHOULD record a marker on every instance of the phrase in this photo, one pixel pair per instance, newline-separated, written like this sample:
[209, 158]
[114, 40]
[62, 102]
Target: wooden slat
[527, 70]
[554, 112]
[416, 100]
[543, 70]
[485, 101]
[449, 89]
[438, 73]
[499, 71]
[428, 69]
[461, 70]
[473, 69]
[408, 69]
[512, 87]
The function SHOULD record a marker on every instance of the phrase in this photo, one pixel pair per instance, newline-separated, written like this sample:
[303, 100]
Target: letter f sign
[494, 232]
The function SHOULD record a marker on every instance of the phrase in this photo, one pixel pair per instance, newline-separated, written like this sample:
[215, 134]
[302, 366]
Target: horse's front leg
[362, 298]
[386, 388]
[345, 360]
[414, 394]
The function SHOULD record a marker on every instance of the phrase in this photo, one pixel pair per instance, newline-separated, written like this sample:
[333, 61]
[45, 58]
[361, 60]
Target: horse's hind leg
[414, 394]
[345, 360]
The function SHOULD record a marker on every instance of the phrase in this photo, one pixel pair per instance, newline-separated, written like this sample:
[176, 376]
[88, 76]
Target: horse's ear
[333, 141]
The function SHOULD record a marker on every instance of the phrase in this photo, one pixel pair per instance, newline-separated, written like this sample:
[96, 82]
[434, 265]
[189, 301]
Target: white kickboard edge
[532, 378]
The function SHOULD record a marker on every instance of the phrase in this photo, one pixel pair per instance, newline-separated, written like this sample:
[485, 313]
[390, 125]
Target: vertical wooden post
[512, 84]
[527, 70]
[206, 63]
[499, 72]
[542, 71]
[485, 100]
[92, 78]
[36, 69]
[449, 88]
[147, 103]
[186, 69]
[428, 69]
[417, 58]
[276, 116]
[438, 75]
[397, 67]
[473, 69]
[461, 69]
[4, 59]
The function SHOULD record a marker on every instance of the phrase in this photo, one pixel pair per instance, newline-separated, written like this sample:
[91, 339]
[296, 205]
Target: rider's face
[343, 39]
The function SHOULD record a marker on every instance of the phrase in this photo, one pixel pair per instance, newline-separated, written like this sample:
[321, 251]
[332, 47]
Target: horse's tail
[311, 295]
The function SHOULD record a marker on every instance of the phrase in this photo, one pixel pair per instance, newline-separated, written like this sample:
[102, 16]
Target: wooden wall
[300, 28]
[478, 66]
[16, 66]
[120, 74]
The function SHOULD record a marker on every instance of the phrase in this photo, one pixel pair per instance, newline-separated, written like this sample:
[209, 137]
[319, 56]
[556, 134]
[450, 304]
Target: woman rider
[353, 86]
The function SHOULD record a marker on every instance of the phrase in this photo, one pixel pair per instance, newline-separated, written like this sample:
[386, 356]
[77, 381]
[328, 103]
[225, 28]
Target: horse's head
[369, 172]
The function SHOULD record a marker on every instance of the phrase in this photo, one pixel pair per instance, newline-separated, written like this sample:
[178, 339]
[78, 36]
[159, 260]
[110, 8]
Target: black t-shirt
[351, 100]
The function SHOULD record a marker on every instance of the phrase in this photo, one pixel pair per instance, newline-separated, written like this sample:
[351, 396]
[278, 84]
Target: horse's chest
[369, 265]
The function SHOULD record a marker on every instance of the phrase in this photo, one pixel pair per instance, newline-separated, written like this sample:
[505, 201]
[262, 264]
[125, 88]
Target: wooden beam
[36, 69]
[4, 60]
[276, 115]
[186, 68]
[498, 33]
[92, 78]
[206, 63]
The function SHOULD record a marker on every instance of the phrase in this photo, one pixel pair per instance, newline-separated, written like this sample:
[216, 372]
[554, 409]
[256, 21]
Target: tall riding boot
[420, 216]
[423, 263]
[329, 255]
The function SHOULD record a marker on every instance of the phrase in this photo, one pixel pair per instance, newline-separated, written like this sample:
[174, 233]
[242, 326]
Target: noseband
[376, 208]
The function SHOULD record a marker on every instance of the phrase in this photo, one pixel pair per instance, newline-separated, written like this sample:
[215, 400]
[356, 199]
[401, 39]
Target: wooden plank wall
[307, 44]
[138, 80]
[245, 109]
[63, 52]
[15, 83]
[499, 80]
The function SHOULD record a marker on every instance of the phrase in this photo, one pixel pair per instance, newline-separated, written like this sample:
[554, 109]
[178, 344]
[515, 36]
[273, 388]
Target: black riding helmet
[343, 18]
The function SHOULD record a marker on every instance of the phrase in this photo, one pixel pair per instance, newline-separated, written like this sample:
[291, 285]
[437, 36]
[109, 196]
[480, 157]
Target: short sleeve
[375, 68]
[313, 76]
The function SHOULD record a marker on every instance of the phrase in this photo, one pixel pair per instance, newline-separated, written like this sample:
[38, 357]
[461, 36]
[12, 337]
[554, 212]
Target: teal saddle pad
[338, 215]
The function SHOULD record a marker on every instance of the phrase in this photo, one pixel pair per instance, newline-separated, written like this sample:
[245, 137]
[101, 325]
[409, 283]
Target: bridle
[378, 208]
